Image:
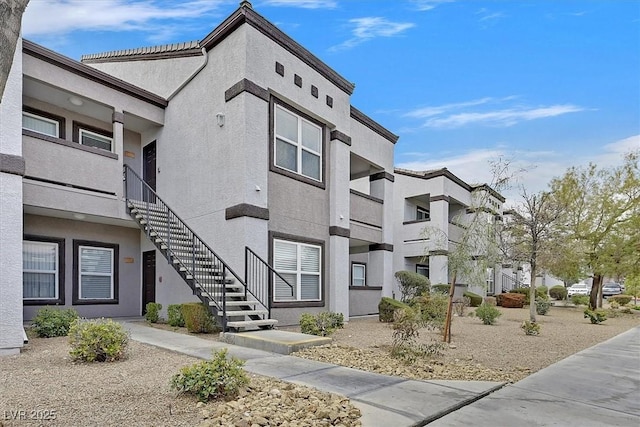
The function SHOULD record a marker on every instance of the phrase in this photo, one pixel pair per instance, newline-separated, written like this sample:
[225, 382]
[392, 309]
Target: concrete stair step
[236, 313]
[240, 303]
[273, 340]
[252, 323]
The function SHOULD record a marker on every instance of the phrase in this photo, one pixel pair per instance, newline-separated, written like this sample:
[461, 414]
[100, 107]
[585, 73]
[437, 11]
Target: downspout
[192, 76]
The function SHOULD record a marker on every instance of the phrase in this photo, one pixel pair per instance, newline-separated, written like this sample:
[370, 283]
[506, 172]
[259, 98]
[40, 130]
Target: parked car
[579, 289]
[611, 289]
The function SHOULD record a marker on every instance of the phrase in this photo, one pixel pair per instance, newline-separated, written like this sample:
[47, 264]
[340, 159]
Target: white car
[579, 289]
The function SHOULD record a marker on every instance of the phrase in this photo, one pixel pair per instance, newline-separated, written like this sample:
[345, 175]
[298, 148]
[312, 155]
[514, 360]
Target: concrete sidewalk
[599, 386]
[383, 400]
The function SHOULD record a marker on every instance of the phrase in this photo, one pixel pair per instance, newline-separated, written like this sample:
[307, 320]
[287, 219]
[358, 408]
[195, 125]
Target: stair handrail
[249, 257]
[127, 170]
[511, 281]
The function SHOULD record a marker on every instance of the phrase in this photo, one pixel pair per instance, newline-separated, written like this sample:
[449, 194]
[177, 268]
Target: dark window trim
[61, 269]
[274, 235]
[61, 121]
[79, 125]
[76, 272]
[75, 146]
[424, 210]
[272, 137]
[415, 221]
[351, 285]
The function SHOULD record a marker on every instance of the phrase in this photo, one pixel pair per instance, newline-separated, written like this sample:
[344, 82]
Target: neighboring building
[247, 141]
[430, 210]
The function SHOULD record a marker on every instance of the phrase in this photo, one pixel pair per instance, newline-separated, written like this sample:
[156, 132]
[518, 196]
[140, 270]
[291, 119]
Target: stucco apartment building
[221, 170]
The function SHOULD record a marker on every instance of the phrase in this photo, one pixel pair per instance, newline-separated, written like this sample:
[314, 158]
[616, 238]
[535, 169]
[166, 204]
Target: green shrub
[621, 299]
[53, 322]
[322, 324]
[530, 328]
[406, 323]
[152, 312]
[99, 340]
[558, 292]
[219, 378]
[198, 319]
[580, 299]
[475, 299]
[542, 289]
[488, 313]
[411, 284]
[387, 306]
[443, 288]
[542, 306]
[174, 315]
[541, 293]
[595, 316]
[431, 309]
[460, 304]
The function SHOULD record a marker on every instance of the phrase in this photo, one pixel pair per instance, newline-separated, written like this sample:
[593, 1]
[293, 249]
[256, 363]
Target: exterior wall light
[220, 119]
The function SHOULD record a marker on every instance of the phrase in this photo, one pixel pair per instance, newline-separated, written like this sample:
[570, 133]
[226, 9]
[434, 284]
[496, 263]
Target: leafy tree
[601, 217]
[11, 17]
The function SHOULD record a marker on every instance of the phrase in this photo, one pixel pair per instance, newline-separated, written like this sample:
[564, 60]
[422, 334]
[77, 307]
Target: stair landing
[275, 341]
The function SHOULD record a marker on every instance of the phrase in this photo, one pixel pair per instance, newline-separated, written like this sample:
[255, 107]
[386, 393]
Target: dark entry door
[148, 279]
[149, 168]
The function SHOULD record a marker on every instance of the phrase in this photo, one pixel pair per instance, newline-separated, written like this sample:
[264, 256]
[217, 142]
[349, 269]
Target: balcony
[366, 217]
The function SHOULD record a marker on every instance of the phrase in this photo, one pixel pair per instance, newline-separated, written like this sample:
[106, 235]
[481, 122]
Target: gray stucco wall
[128, 239]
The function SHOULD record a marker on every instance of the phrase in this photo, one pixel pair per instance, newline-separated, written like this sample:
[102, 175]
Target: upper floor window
[37, 122]
[92, 137]
[422, 214]
[298, 144]
[423, 270]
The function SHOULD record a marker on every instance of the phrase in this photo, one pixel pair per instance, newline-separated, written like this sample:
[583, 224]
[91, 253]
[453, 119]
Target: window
[298, 144]
[422, 214]
[90, 136]
[422, 270]
[491, 286]
[300, 265]
[95, 272]
[43, 270]
[358, 274]
[44, 125]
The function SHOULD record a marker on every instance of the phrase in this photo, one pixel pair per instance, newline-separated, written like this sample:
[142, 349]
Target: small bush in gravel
[152, 312]
[99, 340]
[620, 299]
[460, 305]
[488, 313]
[595, 316]
[530, 328]
[431, 309]
[174, 315]
[542, 306]
[580, 299]
[406, 323]
[53, 322]
[322, 324]
[475, 299]
[387, 306]
[198, 319]
[541, 293]
[218, 378]
[558, 293]
[411, 284]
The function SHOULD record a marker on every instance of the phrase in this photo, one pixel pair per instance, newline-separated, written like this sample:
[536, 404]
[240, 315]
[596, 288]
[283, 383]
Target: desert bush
[406, 323]
[542, 289]
[198, 319]
[411, 284]
[322, 324]
[491, 301]
[53, 322]
[218, 378]
[542, 306]
[98, 340]
[174, 315]
[432, 309]
[530, 328]
[625, 310]
[620, 299]
[499, 300]
[558, 292]
[488, 313]
[580, 299]
[386, 308]
[541, 293]
[475, 299]
[441, 287]
[152, 312]
[460, 305]
[512, 300]
[614, 305]
[595, 316]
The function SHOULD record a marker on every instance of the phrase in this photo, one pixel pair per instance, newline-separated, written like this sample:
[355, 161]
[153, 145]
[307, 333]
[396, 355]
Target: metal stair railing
[208, 272]
[510, 282]
[259, 276]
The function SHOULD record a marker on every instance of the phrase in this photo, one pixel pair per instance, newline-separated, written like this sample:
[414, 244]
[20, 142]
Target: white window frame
[44, 119]
[298, 271]
[491, 285]
[81, 274]
[424, 211]
[364, 274]
[299, 146]
[56, 272]
[82, 132]
[423, 266]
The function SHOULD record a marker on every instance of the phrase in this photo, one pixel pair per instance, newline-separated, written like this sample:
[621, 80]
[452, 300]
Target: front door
[149, 168]
[148, 279]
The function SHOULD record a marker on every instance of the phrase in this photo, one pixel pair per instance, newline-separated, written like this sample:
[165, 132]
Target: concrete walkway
[383, 400]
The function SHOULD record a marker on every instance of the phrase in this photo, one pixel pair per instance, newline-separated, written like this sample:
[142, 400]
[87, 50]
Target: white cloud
[424, 5]
[109, 15]
[425, 112]
[305, 4]
[368, 28]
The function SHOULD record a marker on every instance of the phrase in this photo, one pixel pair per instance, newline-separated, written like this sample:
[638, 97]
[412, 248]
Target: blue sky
[545, 84]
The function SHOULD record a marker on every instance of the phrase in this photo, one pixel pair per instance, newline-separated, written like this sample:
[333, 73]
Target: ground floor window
[95, 272]
[422, 269]
[358, 274]
[300, 264]
[42, 269]
[491, 285]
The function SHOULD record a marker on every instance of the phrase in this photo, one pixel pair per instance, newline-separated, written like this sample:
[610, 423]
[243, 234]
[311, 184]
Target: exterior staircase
[238, 305]
[510, 282]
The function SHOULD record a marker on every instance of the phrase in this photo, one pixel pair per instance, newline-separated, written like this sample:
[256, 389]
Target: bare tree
[11, 17]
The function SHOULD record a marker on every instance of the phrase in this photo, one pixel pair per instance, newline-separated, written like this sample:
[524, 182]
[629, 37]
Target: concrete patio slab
[273, 340]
